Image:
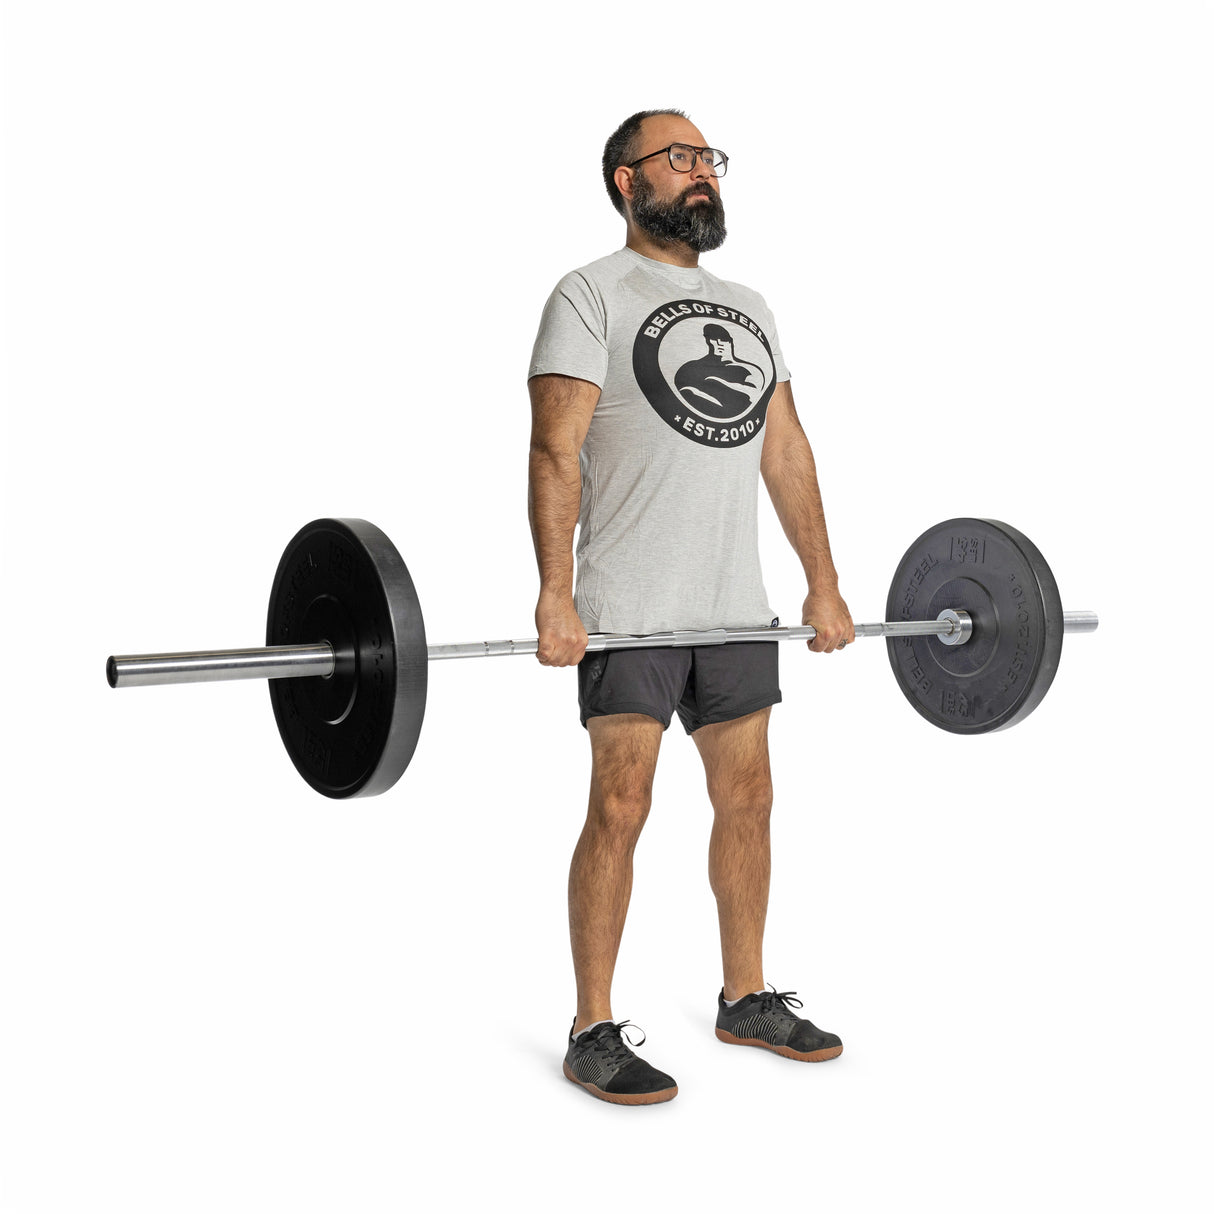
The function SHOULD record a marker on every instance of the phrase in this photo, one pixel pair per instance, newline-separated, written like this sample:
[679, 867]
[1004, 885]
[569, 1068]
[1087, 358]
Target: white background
[267, 262]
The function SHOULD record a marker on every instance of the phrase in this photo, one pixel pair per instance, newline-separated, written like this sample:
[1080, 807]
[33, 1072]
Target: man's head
[669, 205]
[719, 341]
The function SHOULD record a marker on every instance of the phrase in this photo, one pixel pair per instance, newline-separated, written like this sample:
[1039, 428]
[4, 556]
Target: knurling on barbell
[974, 628]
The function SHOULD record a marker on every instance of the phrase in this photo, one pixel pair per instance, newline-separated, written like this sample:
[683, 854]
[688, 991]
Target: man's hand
[826, 611]
[561, 632]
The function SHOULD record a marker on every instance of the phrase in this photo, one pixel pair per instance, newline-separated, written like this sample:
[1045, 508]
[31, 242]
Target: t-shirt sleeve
[572, 339]
[777, 357]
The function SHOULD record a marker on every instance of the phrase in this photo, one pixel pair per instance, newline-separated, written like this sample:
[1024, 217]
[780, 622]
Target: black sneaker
[766, 1020]
[601, 1062]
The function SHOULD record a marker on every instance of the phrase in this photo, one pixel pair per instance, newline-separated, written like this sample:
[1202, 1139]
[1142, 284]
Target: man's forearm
[791, 477]
[554, 498]
[792, 483]
[561, 409]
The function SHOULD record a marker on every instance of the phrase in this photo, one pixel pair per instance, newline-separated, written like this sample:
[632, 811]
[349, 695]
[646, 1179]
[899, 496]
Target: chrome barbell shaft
[304, 661]
[1072, 621]
[714, 636]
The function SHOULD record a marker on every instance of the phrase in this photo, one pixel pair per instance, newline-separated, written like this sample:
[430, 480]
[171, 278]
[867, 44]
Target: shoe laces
[785, 1000]
[613, 1042]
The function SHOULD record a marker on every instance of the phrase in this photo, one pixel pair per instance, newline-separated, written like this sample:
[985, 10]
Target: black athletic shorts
[707, 684]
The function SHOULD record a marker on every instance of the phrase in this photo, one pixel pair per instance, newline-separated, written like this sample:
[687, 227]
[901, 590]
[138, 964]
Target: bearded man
[620, 451]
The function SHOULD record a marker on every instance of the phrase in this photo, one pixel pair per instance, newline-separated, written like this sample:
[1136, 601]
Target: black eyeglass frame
[696, 154]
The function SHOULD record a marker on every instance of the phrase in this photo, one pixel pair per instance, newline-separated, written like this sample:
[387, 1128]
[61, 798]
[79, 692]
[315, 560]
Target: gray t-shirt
[686, 364]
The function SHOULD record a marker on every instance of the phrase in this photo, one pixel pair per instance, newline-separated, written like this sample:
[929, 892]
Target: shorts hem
[645, 710]
[733, 714]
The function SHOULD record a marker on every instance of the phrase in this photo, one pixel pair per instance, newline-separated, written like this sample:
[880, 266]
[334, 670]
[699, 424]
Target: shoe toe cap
[807, 1038]
[638, 1078]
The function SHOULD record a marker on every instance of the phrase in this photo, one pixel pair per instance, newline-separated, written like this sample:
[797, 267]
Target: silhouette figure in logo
[719, 384]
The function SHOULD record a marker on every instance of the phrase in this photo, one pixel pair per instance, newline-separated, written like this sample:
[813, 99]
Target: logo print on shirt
[706, 370]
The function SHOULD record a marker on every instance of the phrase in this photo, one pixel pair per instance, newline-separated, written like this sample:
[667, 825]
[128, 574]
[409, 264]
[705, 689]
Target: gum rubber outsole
[622, 1097]
[813, 1056]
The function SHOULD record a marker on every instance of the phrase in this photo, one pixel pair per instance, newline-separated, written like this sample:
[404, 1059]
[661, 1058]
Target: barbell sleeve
[221, 665]
[1080, 621]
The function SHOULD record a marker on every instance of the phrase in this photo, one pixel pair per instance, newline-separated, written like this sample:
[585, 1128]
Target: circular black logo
[707, 371]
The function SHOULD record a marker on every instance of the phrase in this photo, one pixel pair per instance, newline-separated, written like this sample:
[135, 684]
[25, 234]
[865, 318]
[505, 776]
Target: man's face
[672, 206]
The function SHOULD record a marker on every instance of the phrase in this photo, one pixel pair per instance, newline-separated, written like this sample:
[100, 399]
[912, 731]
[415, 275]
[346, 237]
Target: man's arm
[561, 409]
[792, 481]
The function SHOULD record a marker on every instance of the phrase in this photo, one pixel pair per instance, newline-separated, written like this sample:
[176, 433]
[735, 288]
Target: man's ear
[623, 181]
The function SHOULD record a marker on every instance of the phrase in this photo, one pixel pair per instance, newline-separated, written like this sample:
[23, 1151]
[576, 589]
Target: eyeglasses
[683, 158]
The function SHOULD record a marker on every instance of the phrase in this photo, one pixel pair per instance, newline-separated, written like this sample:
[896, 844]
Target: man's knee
[621, 809]
[625, 750]
[745, 796]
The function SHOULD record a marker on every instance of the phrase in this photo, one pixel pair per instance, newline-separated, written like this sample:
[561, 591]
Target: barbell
[974, 633]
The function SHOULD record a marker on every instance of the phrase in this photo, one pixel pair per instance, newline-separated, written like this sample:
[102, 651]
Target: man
[665, 490]
[718, 382]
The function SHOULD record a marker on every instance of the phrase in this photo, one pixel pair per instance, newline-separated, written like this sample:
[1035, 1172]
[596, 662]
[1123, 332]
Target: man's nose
[700, 170]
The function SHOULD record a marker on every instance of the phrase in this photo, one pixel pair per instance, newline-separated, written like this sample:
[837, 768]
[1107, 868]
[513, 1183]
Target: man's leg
[624, 748]
[739, 867]
[739, 854]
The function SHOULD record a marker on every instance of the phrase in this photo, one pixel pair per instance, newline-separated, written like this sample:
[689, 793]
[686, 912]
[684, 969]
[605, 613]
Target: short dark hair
[621, 149]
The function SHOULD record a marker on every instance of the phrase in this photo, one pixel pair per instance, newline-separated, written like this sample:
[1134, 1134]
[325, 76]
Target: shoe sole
[825, 1055]
[622, 1097]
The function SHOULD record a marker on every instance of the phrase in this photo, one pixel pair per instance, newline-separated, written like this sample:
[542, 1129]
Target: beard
[700, 225]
